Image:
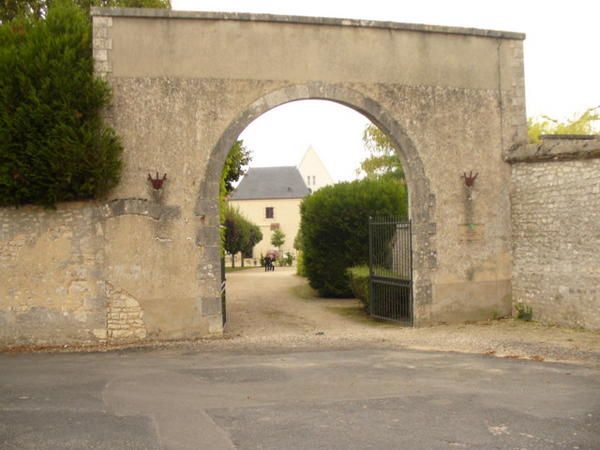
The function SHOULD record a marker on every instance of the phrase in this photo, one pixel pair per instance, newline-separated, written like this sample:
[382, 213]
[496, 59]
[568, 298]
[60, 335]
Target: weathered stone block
[101, 22]
[211, 306]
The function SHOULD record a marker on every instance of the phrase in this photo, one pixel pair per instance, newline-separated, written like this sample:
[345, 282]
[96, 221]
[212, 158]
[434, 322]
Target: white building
[313, 171]
[270, 197]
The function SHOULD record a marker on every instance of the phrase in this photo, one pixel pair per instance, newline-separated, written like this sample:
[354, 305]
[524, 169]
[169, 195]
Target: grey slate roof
[271, 182]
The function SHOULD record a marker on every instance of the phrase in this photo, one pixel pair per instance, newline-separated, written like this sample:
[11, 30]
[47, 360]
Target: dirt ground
[273, 309]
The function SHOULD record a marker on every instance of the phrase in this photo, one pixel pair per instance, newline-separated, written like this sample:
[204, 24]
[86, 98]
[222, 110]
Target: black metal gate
[390, 268]
[223, 284]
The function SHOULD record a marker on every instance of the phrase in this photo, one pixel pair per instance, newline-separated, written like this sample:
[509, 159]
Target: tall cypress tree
[54, 145]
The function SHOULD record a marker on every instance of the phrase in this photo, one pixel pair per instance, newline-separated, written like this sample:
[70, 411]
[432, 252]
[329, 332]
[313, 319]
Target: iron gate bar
[223, 291]
[390, 269]
[383, 280]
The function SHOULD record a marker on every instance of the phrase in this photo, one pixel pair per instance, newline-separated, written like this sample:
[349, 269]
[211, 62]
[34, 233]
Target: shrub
[54, 145]
[524, 312]
[300, 270]
[278, 238]
[334, 224]
[358, 279]
[286, 260]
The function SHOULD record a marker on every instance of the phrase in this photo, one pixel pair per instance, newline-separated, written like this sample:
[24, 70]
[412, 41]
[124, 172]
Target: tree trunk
[242, 259]
[232, 260]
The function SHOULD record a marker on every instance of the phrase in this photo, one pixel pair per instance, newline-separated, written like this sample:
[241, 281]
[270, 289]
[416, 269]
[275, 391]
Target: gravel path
[273, 304]
[275, 309]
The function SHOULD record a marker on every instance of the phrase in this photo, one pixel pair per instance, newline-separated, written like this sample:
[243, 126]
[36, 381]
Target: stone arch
[421, 199]
[459, 93]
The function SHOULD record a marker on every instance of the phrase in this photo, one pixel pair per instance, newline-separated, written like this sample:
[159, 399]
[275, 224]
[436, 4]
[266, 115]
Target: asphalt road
[345, 399]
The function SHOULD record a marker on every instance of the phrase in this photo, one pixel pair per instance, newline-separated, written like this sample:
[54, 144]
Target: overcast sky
[562, 67]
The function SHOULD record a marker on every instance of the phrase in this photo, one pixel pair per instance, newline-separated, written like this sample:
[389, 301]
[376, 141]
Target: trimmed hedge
[54, 145]
[300, 270]
[358, 279]
[335, 229]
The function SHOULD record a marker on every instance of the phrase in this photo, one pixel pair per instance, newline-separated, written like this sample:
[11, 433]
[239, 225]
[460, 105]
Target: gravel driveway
[275, 309]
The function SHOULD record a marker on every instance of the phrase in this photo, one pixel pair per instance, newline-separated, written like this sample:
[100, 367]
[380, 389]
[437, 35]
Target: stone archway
[143, 264]
[451, 100]
[421, 200]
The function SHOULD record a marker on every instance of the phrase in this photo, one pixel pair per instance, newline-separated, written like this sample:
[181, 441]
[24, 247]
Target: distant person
[269, 264]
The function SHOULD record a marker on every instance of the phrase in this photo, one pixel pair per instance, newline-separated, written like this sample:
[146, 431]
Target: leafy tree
[335, 228]
[278, 238]
[86, 4]
[240, 234]
[254, 237]
[37, 9]
[582, 124]
[10, 9]
[235, 165]
[383, 160]
[54, 145]
[232, 242]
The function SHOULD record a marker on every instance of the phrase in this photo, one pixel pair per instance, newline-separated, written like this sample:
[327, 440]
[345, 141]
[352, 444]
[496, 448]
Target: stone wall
[145, 264]
[77, 274]
[50, 289]
[451, 100]
[555, 199]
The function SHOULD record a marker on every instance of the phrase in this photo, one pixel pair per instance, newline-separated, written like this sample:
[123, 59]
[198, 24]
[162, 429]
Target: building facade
[313, 171]
[270, 197]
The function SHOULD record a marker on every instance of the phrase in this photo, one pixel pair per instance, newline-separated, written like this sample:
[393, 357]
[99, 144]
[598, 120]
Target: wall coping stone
[149, 13]
[556, 148]
[569, 137]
